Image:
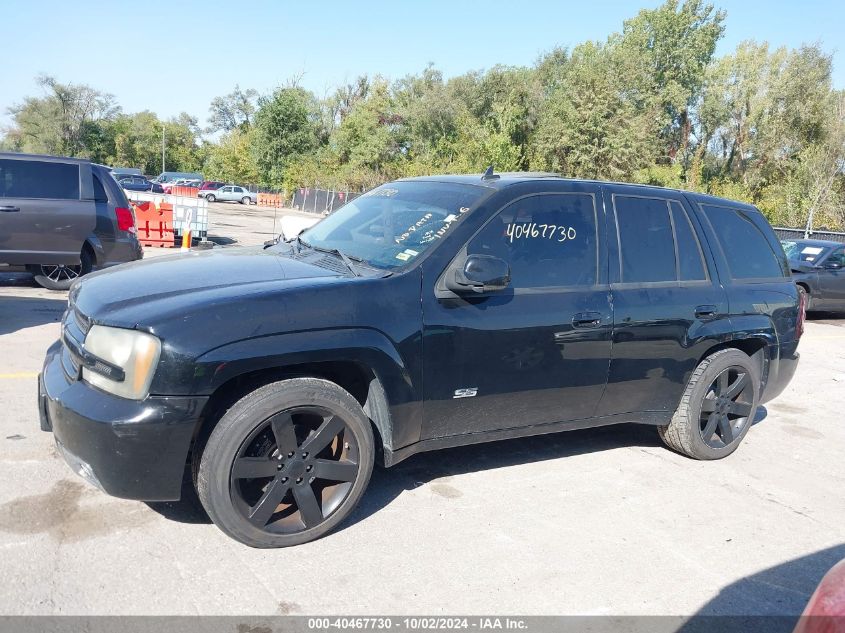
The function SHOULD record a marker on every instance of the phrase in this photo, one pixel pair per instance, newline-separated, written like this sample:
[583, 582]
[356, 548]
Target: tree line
[651, 104]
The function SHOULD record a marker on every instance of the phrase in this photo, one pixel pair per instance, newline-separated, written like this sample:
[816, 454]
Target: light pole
[162, 148]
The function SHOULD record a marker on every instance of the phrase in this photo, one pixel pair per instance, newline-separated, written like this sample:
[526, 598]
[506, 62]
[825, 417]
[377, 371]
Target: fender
[97, 248]
[393, 387]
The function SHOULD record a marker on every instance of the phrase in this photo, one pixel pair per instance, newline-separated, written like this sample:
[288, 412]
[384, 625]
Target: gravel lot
[603, 521]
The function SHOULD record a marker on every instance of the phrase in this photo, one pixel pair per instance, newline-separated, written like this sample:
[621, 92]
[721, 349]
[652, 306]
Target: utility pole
[162, 148]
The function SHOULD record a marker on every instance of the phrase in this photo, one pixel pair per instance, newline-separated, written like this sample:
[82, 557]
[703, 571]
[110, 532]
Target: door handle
[10, 209]
[705, 312]
[586, 319]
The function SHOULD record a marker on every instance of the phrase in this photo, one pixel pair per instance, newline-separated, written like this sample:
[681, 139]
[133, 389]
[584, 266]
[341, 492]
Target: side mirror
[833, 265]
[479, 274]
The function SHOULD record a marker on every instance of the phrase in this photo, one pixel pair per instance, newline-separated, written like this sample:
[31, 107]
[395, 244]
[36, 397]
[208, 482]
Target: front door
[537, 352]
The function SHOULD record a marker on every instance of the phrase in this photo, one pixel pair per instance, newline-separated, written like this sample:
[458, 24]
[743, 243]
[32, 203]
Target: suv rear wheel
[717, 408]
[286, 464]
[60, 277]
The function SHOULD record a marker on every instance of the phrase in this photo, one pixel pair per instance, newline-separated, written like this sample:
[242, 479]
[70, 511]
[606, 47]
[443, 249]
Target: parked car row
[211, 190]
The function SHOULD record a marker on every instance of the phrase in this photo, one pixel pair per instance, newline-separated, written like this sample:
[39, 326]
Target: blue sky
[141, 51]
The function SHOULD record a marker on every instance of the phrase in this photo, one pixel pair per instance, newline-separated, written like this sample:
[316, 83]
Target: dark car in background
[139, 183]
[818, 267]
[428, 313]
[61, 218]
[211, 185]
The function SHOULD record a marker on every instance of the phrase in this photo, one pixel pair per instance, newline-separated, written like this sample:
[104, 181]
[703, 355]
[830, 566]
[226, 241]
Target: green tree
[286, 125]
[60, 121]
[232, 111]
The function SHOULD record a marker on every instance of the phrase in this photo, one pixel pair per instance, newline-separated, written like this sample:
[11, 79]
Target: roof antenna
[489, 175]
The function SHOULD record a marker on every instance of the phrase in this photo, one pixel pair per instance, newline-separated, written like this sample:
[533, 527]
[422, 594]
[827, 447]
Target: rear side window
[99, 190]
[748, 252]
[38, 179]
[645, 239]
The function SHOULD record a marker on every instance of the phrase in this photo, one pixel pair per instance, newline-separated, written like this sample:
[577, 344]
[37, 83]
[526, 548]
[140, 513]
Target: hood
[133, 293]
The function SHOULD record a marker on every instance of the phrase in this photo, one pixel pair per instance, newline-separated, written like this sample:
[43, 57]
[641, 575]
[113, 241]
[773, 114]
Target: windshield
[394, 224]
[803, 252]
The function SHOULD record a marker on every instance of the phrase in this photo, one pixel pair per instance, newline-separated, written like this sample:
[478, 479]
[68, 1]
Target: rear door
[666, 297]
[46, 211]
[832, 281]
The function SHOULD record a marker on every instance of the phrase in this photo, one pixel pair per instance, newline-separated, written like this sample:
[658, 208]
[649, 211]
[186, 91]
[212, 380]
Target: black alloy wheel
[294, 470]
[285, 464]
[726, 408]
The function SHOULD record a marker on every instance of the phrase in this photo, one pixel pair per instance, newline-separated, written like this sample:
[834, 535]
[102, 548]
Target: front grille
[75, 326]
[81, 320]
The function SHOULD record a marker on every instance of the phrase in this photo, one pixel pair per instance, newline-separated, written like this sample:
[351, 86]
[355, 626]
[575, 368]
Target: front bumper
[130, 449]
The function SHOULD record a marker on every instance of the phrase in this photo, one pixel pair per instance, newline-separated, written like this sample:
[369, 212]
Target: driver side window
[548, 240]
[838, 256]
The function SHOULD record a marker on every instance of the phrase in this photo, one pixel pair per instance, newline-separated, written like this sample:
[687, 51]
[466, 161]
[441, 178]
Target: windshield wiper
[336, 251]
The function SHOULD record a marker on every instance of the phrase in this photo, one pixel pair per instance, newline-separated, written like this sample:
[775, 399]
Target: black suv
[60, 218]
[428, 313]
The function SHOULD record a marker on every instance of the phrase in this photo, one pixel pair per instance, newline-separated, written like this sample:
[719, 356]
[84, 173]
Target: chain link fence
[321, 201]
[785, 234]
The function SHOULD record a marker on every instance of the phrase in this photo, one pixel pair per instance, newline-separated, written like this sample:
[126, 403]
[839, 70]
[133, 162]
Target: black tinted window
[645, 239]
[547, 240]
[37, 179]
[745, 246]
[690, 262]
[837, 257]
[99, 190]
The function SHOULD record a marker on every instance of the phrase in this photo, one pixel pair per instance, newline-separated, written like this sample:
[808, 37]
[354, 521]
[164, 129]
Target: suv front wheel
[717, 408]
[286, 464]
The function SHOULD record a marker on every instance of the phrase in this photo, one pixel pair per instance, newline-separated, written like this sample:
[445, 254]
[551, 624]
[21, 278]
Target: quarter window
[690, 261]
[748, 252]
[38, 179]
[99, 190]
[548, 240]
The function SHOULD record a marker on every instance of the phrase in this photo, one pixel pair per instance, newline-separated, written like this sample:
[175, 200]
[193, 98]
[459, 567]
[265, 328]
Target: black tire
[300, 505]
[61, 277]
[210, 197]
[712, 420]
[245, 200]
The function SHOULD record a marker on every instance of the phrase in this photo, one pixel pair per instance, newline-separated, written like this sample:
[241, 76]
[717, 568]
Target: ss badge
[469, 392]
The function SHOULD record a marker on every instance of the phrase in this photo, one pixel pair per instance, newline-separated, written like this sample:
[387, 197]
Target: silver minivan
[61, 218]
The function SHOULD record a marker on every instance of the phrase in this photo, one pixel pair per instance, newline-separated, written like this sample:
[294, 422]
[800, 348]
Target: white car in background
[230, 193]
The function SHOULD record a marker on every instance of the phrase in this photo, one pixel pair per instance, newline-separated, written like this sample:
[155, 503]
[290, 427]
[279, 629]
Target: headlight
[132, 355]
